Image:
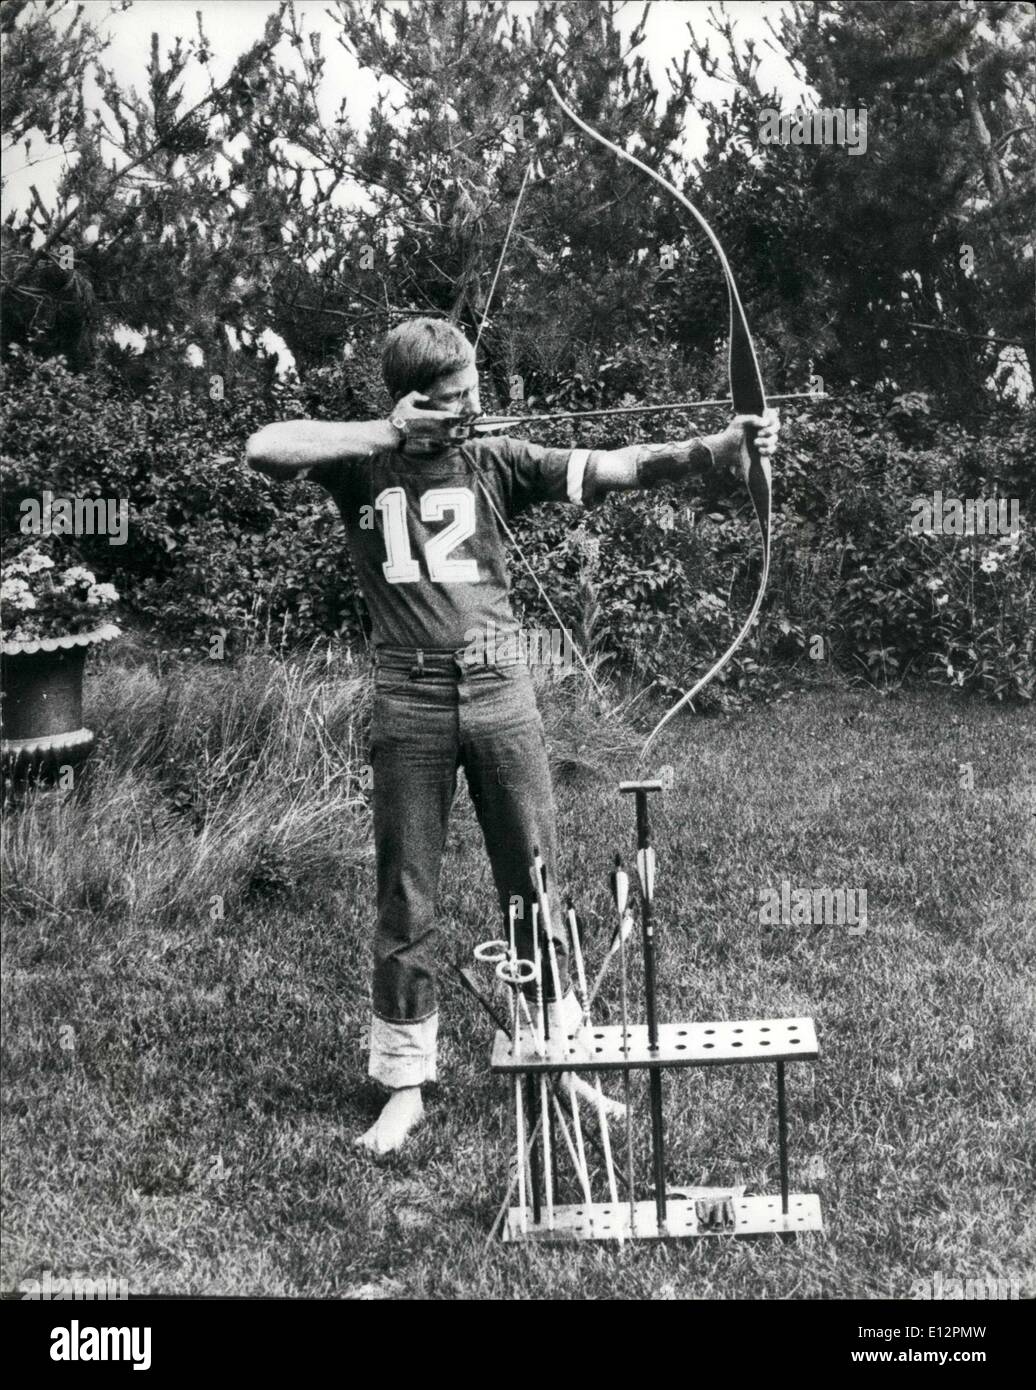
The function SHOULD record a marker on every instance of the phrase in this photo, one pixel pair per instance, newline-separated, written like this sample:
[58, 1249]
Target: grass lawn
[185, 997]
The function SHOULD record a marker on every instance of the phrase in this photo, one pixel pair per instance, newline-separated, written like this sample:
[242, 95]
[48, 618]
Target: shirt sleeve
[328, 475]
[529, 473]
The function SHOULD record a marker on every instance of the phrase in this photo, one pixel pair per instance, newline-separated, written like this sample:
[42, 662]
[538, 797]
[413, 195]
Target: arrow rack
[654, 1048]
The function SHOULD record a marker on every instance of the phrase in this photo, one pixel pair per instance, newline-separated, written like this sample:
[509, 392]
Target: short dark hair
[419, 351]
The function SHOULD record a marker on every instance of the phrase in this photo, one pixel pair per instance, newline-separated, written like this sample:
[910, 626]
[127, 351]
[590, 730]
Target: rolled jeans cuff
[403, 1054]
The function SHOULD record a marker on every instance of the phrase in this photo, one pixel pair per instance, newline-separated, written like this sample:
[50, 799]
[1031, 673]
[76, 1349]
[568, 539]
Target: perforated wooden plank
[679, 1045]
[753, 1216]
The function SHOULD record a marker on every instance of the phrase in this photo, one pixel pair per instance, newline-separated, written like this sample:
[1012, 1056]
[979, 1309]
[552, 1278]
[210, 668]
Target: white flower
[34, 561]
[102, 593]
[17, 593]
[989, 565]
[76, 574]
[942, 599]
[934, 584]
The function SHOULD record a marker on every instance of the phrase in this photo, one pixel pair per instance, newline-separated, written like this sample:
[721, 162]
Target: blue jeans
[435, 713]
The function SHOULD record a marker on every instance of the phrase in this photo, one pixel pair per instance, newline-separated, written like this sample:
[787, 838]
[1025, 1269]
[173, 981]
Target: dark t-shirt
[429, 550]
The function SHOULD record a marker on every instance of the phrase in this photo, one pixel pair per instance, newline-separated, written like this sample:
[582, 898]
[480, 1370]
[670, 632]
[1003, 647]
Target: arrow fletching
[620, 885]
[646, 873]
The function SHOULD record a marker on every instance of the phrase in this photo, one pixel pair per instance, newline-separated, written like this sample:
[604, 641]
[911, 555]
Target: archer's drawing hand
[420, 427]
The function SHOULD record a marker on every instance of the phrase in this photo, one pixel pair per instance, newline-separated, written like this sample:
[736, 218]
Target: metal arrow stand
[680, 1213]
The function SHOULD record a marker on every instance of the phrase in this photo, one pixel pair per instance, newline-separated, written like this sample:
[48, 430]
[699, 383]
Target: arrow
[484, 424]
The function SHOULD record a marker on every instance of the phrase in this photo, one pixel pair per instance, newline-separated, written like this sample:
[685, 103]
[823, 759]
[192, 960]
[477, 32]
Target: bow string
[747, 395]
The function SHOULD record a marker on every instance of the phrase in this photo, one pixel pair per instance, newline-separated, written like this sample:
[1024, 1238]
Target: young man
[425, 524]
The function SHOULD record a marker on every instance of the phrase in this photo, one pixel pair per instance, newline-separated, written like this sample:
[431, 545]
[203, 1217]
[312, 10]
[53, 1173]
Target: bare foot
[401, 1113]
[613, 1109]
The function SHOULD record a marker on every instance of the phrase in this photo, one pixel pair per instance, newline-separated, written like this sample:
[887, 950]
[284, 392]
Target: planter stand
[43, 702]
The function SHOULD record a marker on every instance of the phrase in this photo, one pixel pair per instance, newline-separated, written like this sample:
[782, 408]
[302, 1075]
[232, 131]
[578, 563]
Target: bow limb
[747, 394]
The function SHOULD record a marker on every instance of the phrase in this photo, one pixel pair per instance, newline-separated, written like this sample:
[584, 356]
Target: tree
[142, 231]
[927, 237]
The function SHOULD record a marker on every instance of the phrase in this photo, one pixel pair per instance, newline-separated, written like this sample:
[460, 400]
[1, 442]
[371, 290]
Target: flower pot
[42, 709]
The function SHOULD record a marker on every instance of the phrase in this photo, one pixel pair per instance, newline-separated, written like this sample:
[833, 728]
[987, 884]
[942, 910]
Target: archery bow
[747, 395]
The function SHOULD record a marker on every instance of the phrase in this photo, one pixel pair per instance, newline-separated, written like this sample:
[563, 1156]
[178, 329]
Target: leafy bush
[898, 603]
[673, 576]
[212, 547]
[963, 615]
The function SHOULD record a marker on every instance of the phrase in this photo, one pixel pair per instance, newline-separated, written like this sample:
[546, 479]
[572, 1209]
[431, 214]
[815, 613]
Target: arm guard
[672, 463]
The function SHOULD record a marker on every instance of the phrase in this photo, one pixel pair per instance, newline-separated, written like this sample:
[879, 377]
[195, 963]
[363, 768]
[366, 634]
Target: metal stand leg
[646, 874]
[658, 1146]
[782, 1135]
[534, 1151]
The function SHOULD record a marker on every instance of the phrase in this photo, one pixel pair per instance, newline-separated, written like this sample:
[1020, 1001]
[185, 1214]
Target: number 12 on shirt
[401, 567]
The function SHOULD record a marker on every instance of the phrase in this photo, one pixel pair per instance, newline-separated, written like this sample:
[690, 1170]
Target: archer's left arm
[648, 465]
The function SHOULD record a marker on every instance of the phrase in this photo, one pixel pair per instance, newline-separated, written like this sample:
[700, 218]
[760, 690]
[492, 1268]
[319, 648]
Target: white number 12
[401, 567]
